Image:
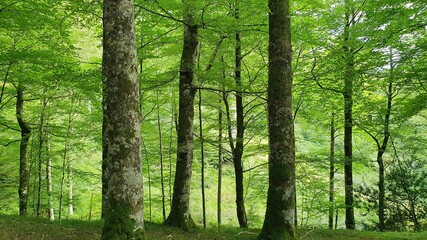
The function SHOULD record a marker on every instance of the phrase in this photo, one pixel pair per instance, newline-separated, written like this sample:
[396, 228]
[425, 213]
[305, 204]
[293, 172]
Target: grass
[29, 228]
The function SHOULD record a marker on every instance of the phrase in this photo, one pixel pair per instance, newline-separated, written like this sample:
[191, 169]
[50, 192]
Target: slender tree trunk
[90, 207]
[40, 155]
[219, 194]
[331, 172]
[24, 174]
[413, 214]
[149, 180]
[202, 152]
[172, 124]
[162, 181]
[296, 206]
[220, 139]
[336, 218]
[180, 210]
[124, 216]
[238, 150]
[349, 74]
[49, 182]
[279, 216]
[65, 164]
[70, 187]
[383, 147]
[6, 76]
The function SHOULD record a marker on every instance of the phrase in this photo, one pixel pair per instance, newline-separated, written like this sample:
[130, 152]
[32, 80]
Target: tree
[24, 174]
[179, 215]
[240, 128]
[279, 216]
[124, 218]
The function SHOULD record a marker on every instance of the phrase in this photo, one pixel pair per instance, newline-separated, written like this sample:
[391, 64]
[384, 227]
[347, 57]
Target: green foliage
[54, 49]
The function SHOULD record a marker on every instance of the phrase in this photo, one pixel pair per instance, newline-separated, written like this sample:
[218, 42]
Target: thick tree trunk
[348, 121]
[124, 215]
[331, 172]
[279, 217]
[24, 174]
[180, 210]
[238, 150]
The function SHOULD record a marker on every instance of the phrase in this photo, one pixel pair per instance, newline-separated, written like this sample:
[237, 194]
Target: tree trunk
[238, 150]
[24, 174]
[6, 76]
[180, 211]
[172, 125]
[40, 155]
[219, 194]
[49, 182]
[124, 216]
[220, 150]
[149, 180]
[65, 164]
[383, 147]
[202, 152]
[331, 173]
[279, 216]
[348, 120]
[162, 181]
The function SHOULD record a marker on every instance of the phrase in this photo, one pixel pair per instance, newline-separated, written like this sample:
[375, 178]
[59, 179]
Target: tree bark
[70, 187]
[382, 149]
[202, 152]
[49, 182]
[348, 120]
[66, 167]
[40, 154]
[179, 215]
[124, 216]
[219, 193]
[279, 216]
[238, 150]
[220, 139]
[162, 181]
[150, 205]
[331, 172]
[24, 174]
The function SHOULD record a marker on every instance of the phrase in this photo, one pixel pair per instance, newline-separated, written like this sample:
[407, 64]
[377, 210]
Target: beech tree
[279, 216]
[124, 218]
[179, 215]
[24, 174]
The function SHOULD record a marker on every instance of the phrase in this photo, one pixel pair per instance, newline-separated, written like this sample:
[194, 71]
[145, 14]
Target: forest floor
[29, 228]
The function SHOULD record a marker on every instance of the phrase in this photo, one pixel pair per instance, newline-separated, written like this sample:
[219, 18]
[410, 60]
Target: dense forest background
[51, 101]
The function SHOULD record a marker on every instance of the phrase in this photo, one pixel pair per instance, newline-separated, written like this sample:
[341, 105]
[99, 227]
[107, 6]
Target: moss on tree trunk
[122, 177]
[279, 217]
[179, 215]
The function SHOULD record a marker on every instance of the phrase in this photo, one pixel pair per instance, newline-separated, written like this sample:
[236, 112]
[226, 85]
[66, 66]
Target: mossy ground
[29, 228]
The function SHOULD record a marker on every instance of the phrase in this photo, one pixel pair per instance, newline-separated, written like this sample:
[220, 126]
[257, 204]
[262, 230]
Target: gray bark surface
[122, 177]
